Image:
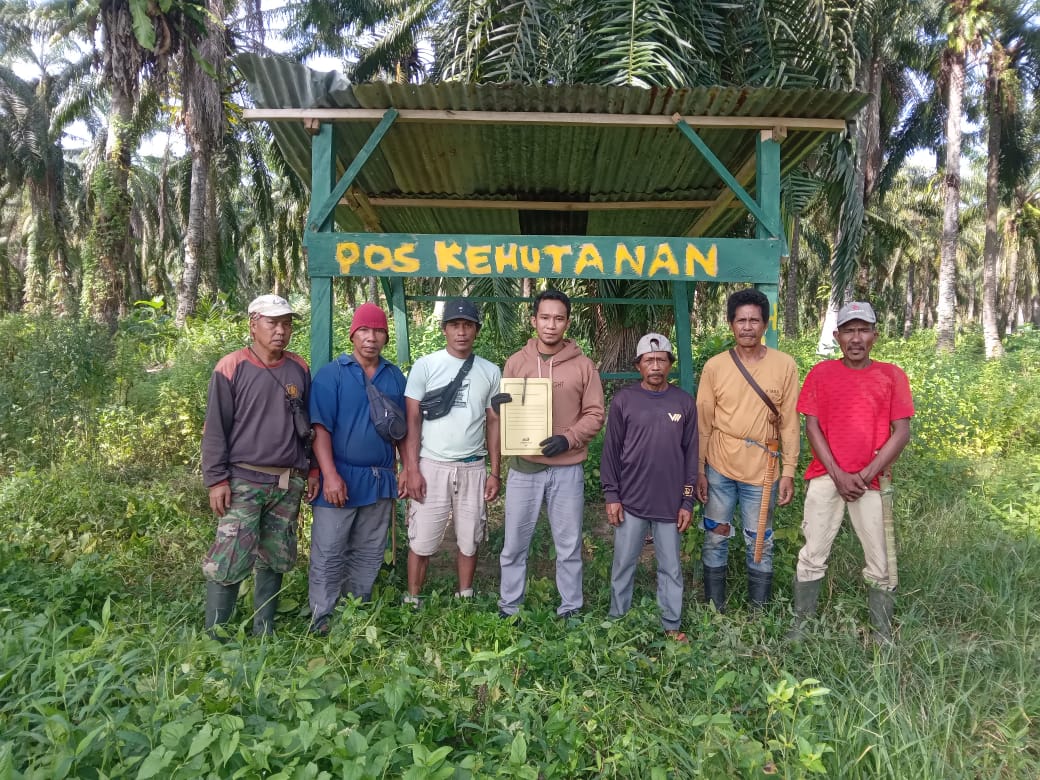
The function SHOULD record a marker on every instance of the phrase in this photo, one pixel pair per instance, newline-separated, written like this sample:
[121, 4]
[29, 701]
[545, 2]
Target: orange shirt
[730, 413]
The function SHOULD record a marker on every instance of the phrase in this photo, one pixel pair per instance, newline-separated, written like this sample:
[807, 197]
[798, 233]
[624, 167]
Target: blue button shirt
[339, 403]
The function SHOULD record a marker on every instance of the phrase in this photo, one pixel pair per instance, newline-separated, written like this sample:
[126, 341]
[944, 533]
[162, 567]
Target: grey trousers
[562, 489]
[347, 545]
[629, 538]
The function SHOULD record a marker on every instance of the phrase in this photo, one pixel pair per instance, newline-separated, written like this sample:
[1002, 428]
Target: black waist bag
[437, 403]
[387, 417]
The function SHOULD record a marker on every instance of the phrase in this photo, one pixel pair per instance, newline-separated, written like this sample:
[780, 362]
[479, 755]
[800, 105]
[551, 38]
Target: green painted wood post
[683, 333]
[404, 350]
[323, 174]
[767, 178]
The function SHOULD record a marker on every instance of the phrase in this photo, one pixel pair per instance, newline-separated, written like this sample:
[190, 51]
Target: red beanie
[368, 315]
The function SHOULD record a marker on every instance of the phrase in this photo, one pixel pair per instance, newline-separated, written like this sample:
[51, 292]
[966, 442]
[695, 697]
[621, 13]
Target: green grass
[105, 671]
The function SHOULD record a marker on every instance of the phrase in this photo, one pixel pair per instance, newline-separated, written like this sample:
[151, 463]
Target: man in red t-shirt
[857, 419]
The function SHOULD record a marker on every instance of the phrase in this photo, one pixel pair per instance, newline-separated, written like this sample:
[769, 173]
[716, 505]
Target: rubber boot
[265, 601]
[220, 606]
[759, 588]
[715, 587]
[881, 604]
[806, 596]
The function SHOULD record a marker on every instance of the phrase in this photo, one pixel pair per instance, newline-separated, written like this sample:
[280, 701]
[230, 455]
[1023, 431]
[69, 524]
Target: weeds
[105, 672]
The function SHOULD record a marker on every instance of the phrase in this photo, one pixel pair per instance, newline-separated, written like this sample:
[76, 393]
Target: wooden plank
[541, 205]
[432, 116]
[510, 256]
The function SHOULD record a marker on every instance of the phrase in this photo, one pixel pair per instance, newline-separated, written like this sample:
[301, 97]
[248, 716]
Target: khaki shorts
[453, 490]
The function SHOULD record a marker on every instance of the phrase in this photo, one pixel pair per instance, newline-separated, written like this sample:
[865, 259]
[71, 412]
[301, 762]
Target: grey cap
[857, 310]
[460, 309]
[654, 342]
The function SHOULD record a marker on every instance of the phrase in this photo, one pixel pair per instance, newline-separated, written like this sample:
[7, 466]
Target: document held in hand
[527, 419]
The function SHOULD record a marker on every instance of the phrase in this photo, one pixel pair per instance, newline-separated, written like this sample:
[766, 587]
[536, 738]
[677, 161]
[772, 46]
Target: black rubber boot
[715, 586]
[759, 588]
[265, 601]
[220, 606]
[806, 596]
[881, 604]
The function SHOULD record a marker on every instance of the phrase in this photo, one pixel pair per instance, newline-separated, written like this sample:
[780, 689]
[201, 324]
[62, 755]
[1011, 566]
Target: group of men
[737, 443]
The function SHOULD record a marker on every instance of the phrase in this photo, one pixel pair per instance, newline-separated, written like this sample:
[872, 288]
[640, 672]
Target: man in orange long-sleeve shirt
[735, 426]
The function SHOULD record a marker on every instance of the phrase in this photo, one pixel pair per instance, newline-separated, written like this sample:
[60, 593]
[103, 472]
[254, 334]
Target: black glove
[499, 399]
[554, 445]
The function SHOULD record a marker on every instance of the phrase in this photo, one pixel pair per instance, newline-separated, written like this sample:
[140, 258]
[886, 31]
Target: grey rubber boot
[715, 586]
[806, 596]
[265, 601]
[220, 606]
[759, 589]
[881, 604]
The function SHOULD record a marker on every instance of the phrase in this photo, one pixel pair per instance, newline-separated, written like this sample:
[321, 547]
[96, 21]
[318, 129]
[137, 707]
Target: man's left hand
[786, 493]
[554, 445]
[684, 520]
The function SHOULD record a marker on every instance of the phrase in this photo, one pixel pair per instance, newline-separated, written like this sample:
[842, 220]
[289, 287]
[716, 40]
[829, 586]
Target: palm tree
[964, 18]
[36, 112]
[139, 42]
[202, 73]
[1014, 47]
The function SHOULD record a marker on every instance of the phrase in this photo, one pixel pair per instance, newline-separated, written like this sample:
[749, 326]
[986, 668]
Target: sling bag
[437, 403]
[387, 417]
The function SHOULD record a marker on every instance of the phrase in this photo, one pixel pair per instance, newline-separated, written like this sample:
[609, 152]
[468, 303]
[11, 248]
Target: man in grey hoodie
[556, 477]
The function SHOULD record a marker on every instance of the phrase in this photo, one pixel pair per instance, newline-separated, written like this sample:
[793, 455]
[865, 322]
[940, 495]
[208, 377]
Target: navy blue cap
[460, 309]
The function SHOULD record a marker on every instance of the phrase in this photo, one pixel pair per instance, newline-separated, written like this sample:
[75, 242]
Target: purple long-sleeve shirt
[649, 462]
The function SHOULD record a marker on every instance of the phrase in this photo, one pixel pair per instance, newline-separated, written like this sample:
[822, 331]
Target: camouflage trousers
[261, 524]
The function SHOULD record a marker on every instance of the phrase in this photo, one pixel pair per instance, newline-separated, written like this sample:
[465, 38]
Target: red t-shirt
[855, 409]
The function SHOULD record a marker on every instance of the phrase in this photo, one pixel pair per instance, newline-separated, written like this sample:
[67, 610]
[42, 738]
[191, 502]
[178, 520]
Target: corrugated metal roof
[596, 163]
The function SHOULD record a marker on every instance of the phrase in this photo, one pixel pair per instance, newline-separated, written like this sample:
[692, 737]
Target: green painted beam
[329, 201]
[323, 172]
[767, 175]
[731, 182]
[397, 301]
[683, 334]
[570, 257]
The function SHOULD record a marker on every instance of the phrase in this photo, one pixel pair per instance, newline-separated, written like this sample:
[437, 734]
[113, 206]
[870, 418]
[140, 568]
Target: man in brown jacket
[556, 477]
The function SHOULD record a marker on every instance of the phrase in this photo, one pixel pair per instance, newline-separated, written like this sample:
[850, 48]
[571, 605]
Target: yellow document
[527, 419]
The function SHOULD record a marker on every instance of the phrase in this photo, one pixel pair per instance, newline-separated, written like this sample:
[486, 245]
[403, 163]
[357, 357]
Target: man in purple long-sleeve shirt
[649, 471]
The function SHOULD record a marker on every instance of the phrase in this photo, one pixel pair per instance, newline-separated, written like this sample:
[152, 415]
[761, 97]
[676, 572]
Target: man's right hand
[220, 499]
[335, 489]
[498, 399]
[615, 514]
[702, 488]
[850, 486]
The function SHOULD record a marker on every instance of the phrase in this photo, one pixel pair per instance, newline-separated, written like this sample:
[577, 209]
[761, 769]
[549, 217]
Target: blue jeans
[723, 496]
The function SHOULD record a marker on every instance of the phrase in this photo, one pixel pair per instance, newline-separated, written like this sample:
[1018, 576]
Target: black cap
[460, 309]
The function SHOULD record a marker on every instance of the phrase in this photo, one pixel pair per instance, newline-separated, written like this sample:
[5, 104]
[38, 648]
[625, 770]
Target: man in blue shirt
[358, 481]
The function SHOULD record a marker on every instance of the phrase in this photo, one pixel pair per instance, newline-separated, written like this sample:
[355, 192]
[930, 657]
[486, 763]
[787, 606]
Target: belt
[471, 459]
[282, 472]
